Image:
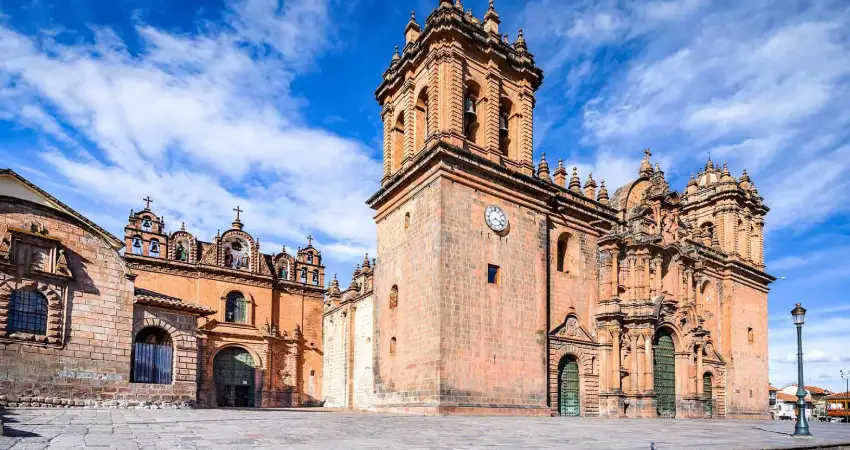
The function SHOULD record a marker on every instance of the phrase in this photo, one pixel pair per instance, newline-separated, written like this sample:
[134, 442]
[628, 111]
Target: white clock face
[496, 219]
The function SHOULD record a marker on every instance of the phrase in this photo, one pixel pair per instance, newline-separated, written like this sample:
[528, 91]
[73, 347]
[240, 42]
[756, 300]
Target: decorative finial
[543, 168]
[520, 44]
[645, 164]
[575, 182]
[183, 226]
[396, 56]
[603, 195]
[590, 187]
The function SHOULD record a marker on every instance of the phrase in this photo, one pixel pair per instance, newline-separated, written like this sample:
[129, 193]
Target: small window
[563, 240]
[28, 313]
[750, 337]
[393, 297]
[235, 308]
[406, 220]
[392, 345]
[492, 274]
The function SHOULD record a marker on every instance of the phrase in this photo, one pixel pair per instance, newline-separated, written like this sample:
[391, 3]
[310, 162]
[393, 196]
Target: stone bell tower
[460, 299]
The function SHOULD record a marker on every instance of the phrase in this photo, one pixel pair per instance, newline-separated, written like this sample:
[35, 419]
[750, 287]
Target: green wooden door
[664, 363]
[706, 394]
[568, 393]
[233, 373]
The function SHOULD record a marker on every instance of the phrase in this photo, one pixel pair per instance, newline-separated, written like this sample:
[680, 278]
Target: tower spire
[491, 20]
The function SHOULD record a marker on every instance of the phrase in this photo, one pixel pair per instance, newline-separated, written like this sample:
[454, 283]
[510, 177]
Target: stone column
[649, 382]
[689, 291]
[615, 360]
[699, 386]
[641, 363]
[491, 120]
[645, 266]
[615, 273]
[631, 290]
[387, 117]
[526, 130]
[633, 375]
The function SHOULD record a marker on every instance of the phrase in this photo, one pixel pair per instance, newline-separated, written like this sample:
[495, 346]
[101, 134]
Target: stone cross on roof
[238, 211]
[309, 240]
[148, 202]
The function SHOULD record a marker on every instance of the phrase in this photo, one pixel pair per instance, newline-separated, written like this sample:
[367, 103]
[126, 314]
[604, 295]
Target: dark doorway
[233, 373]
[568, 389]
[664, 362]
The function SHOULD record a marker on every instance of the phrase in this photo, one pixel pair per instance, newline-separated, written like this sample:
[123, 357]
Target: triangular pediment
[572, 329]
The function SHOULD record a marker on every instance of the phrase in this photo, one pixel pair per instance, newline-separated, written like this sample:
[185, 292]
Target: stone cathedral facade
[505, 288]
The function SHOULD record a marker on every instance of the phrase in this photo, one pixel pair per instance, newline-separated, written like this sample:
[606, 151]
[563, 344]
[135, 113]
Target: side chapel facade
[505, 288]
[174, 322]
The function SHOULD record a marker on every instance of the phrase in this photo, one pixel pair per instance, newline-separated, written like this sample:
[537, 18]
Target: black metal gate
[233, 373]
[664, 368]
[568, 390]
[707, 394]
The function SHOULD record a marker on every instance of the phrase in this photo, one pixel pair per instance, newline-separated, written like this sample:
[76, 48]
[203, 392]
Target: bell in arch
[503, 123]
[469, 106]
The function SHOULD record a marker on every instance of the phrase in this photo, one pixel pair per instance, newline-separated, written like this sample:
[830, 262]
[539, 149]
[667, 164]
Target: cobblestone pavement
[315, 429]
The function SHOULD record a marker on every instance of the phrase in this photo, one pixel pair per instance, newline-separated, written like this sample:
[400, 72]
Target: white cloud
[201, 123]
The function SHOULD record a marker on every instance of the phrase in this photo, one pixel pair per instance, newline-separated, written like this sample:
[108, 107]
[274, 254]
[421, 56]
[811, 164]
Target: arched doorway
[707, 395]
[568, 390]
[152, 356]
[664, 369]
[233, 373]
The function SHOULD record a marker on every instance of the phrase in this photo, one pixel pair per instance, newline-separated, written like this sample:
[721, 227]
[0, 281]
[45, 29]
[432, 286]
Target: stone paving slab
[303, 429]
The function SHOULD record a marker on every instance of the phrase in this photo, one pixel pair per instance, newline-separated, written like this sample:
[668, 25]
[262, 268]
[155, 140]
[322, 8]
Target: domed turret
[543, 169]
[603, 195]
[575, 182]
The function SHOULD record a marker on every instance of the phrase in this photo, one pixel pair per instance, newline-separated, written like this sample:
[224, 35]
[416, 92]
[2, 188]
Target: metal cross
[309, 240]
[238, 211]
[148, 202]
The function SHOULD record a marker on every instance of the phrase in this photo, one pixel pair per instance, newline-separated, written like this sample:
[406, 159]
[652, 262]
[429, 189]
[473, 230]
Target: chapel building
[262, 346]
[505, 288]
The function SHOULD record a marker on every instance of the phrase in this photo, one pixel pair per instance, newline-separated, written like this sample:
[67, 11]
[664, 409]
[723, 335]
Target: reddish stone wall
[747, 362]
[91, 366]
[410, 258]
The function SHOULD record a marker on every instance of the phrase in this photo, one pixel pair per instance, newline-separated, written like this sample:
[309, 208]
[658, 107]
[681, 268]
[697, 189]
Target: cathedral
[501, 287]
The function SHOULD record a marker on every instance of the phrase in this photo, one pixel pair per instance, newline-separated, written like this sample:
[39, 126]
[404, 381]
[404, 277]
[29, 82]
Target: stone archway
[569, 395]
[233, 376]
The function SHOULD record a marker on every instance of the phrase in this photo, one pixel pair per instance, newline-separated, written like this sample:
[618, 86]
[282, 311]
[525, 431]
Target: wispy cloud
[200, 122]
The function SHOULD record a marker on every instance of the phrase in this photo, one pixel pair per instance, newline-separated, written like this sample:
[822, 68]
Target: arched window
[470, 113]
[137, 245]
[393, 297]
[303, 275]
[562, 261]
[154, 248]
[147, 225]
[309, 258]
[392, 345]
[398, 142]
[315, 277]
[152, 357]
[235, 308]
[421, 124]
[27, 313]
[284, 274]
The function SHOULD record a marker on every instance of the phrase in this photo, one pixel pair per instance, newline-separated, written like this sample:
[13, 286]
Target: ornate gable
[571, 329]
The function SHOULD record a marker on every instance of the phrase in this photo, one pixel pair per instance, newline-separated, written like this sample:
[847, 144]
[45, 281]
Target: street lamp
[802, 428]
[846, 377]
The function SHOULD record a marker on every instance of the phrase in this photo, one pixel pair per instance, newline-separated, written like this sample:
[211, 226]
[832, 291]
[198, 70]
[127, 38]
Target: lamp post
[846, 377]
[802, 428]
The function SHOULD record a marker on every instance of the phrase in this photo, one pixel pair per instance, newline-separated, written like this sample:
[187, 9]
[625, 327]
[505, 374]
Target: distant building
[838, 405]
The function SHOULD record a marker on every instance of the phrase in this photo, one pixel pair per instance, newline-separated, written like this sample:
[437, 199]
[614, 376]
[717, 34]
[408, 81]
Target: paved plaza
[319, 429]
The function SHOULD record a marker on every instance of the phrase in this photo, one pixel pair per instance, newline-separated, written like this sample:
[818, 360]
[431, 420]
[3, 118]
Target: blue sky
[265, 104]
